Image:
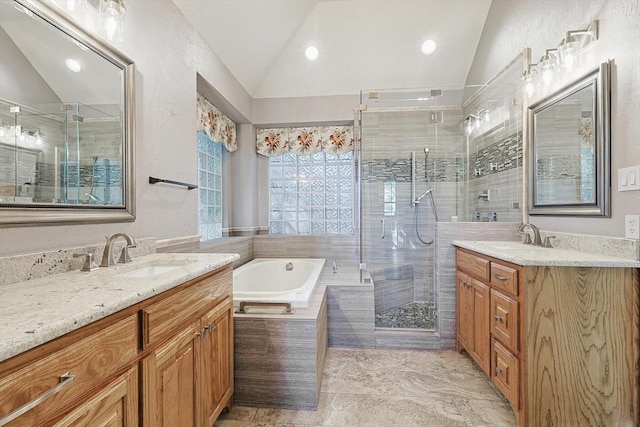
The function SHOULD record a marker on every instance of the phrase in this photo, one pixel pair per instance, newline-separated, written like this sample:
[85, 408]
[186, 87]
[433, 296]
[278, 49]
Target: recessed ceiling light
[311, 53]
[428, 47]
[73, 65]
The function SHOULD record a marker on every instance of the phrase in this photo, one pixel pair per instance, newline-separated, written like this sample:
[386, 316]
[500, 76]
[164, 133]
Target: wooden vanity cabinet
[473, 320]
[563, 341]
[164, 361]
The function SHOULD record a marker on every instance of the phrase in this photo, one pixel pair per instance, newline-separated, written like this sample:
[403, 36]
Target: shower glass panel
[411, 163]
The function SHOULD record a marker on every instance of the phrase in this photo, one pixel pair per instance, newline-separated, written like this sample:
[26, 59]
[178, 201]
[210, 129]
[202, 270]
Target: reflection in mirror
[65, 121]
[569, 168]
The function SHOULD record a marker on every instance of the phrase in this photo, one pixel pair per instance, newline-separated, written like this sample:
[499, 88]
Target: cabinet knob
[498, 318]
[498, 370]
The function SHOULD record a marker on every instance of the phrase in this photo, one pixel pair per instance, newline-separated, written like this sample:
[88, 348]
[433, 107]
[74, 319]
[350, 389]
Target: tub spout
[289, 266]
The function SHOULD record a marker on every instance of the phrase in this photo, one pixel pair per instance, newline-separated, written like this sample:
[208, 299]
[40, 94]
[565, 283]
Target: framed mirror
[66, 121]
[569, 149]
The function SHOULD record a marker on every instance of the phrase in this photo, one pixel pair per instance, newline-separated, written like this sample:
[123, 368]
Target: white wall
[168, 54]
[541, 24]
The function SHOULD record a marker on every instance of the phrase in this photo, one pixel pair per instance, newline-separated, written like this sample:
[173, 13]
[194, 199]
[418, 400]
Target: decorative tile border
[505, 154]
[440, 170]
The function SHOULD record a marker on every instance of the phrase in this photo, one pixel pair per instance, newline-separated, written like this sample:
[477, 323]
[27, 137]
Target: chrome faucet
[107, 255]
[537, 240]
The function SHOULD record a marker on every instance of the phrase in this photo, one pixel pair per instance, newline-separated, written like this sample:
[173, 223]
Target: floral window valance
[216, 124]
[304, 140]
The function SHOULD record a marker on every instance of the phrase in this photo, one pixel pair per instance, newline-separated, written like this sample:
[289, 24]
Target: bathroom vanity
[146, 343]
[556, 330]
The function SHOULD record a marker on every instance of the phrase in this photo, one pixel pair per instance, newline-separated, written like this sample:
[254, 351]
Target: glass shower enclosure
[410, 163]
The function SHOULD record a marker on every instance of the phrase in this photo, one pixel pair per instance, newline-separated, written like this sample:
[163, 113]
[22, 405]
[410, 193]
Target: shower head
[426, 150]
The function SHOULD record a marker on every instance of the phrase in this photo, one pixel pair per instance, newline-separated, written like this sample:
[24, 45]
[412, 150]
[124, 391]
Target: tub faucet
[107, 255]
[334, 268]
[537, 241]
[288, 266]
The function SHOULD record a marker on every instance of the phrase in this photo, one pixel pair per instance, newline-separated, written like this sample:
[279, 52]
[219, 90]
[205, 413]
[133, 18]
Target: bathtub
[268, 279]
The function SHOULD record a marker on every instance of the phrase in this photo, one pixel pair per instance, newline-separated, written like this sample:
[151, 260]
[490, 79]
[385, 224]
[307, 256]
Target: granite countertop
[521, 254]
[36, 311]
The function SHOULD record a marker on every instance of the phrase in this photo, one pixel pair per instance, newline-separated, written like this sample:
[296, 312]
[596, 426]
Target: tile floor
[395, 388]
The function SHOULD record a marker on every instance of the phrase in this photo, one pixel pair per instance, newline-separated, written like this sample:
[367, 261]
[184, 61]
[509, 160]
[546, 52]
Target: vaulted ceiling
[363, 44]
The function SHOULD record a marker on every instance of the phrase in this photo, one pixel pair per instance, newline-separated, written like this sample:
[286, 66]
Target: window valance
[304, 140]
[215, 124]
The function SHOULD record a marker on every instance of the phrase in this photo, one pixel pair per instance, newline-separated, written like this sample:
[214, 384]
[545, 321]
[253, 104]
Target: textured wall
[514, 25]
[168, 54]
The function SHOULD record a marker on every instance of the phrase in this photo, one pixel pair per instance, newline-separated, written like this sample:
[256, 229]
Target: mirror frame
[600, 78]
[25, 216]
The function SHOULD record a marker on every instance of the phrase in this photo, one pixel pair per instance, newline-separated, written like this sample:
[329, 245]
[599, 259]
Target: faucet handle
[89, 264]
[124, 255]
[547, 241]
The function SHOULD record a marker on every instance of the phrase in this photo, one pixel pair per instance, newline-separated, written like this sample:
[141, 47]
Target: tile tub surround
[19, 268]
[242, 246]
[39, 310]
[391, 388]
[278, 358]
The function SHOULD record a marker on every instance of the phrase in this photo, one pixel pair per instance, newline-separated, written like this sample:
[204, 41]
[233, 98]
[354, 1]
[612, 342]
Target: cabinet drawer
[90, 361]
[505, 373]
[473, 264]
[163, 318]
[504, 277]
[504, 319]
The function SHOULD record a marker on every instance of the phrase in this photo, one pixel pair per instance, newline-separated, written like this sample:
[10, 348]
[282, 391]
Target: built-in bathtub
[278, 357]
[277, 280]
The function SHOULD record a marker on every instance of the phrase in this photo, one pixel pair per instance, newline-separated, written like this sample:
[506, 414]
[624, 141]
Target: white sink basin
[149, 271]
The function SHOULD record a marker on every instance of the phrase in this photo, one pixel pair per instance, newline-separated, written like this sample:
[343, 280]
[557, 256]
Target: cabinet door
[169, 381]
[481, 310]
[465, 312]
[114, 406]
[504, 320]
[215, 359]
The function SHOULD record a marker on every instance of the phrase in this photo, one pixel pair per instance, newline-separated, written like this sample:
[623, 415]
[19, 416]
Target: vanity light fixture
[111, 19]
[429, 46]
[311, 53]
[73, 65]
[548, 65]
[561, 59]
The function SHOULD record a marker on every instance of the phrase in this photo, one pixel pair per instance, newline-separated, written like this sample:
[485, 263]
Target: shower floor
[414, 315]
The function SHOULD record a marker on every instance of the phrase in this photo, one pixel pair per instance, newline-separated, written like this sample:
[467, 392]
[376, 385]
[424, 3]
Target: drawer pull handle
[65, 380]
[498, 318]
[498, 371]
[499, 277]
[209, 327]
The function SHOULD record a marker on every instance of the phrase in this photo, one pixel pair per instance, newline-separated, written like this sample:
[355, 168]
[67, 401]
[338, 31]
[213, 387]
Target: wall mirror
[569, 169]
[66, 121]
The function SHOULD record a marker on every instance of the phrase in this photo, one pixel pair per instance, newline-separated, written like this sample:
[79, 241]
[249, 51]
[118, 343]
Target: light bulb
[110, 26]
[529, 87]
[73, 65]
[428, 47]
[547, 74]
[311, 53]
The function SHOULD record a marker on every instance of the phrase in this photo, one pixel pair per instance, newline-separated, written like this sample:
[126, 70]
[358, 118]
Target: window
[209, 187]
[311, 194]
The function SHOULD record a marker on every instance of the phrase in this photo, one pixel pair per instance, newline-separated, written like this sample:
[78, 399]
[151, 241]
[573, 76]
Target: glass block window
[389, 198]
[311, 194]
[209, 188]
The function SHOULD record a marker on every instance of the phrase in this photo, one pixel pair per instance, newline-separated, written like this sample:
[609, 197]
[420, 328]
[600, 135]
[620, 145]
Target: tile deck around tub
[374, 387]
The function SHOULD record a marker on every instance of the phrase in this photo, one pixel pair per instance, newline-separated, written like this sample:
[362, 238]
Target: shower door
[397, 236]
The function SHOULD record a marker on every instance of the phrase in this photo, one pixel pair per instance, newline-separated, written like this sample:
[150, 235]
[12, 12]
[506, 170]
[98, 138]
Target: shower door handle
[382, 229]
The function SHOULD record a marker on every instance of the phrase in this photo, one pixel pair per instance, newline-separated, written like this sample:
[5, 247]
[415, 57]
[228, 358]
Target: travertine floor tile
[395, 388]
